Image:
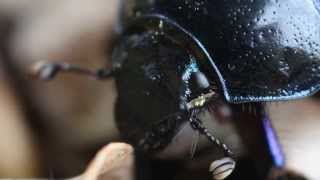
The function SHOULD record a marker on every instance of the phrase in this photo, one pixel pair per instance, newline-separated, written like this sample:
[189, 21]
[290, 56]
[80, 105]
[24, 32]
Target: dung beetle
[175, 58]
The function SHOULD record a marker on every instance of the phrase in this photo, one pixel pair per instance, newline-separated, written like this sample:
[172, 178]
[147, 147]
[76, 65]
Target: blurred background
[74, 114]
[51, 129]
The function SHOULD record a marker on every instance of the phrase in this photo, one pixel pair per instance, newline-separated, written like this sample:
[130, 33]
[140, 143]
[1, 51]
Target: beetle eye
[199, 80]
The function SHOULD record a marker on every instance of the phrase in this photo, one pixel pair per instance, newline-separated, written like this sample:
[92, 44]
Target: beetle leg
[48, 71]
[197, 125]
[221, 168]
[194, 145]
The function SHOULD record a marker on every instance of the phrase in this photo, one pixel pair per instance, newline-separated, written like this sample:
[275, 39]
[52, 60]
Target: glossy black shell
[158, 78]
[261, 50]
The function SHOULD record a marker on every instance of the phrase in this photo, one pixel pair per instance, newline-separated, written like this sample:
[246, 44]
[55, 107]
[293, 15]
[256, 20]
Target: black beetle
[176, 57]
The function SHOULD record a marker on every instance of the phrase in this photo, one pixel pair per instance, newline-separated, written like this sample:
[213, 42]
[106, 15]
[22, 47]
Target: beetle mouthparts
[200, 101]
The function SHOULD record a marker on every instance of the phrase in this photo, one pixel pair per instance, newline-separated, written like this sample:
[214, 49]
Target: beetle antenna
[48, 71]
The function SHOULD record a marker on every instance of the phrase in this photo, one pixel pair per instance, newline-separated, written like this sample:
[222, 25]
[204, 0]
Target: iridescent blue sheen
[273, 144]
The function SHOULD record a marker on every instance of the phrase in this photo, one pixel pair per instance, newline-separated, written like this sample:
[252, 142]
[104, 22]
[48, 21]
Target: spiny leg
[48, 71]
[221, 168]
[198, 125]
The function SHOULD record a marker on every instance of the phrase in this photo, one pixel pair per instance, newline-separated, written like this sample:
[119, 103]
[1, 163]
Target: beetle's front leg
[258, 135]
[48, 71]
[222, 168]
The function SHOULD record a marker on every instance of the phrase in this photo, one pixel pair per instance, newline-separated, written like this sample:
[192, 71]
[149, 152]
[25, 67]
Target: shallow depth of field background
[77, 112]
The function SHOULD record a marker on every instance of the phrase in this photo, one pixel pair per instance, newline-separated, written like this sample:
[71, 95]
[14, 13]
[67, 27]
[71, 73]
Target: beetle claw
[45, 71]
[222, 168]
